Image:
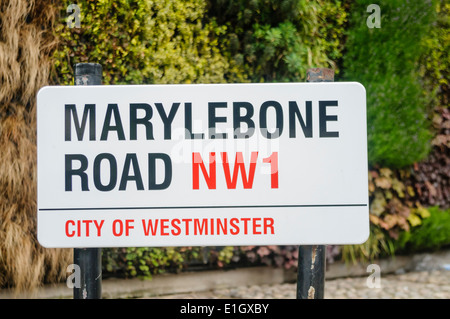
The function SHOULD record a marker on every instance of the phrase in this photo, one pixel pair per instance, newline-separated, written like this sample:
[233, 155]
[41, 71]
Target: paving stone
[411, 285]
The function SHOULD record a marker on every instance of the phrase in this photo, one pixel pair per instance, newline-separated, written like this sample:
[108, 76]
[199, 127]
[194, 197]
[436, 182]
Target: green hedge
[386, 61]
[141, 41]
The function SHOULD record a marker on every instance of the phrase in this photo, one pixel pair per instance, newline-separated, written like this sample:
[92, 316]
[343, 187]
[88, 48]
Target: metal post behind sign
[311, 259]
[88, 259]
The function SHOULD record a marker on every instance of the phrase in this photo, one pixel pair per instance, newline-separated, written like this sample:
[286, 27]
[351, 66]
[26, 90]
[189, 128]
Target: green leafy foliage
[433, 234]
[386, 61]
[144, 262]
[140, 41]
[271, 40]
[435, 63]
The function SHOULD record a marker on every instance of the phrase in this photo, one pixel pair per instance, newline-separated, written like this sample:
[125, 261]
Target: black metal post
[311, 259]
[311, 272]
[88, 259]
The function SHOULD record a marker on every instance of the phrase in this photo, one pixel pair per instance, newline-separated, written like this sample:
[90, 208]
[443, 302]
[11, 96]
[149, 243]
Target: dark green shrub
[432, 234]
[272, 40]
[386, 61]
[147, 261]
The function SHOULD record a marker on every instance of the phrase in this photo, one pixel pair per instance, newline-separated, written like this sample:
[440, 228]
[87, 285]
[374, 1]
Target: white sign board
[202, 165]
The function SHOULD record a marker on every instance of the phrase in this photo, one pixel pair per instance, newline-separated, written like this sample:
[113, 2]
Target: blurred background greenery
[404, 66]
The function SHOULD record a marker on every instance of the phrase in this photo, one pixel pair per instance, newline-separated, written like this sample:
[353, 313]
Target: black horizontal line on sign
[200, 207]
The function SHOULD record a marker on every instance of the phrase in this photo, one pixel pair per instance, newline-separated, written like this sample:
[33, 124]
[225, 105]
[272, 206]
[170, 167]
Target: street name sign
[202, 165]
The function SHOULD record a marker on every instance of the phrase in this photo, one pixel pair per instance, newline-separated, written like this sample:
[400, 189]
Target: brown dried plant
[26, 46]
